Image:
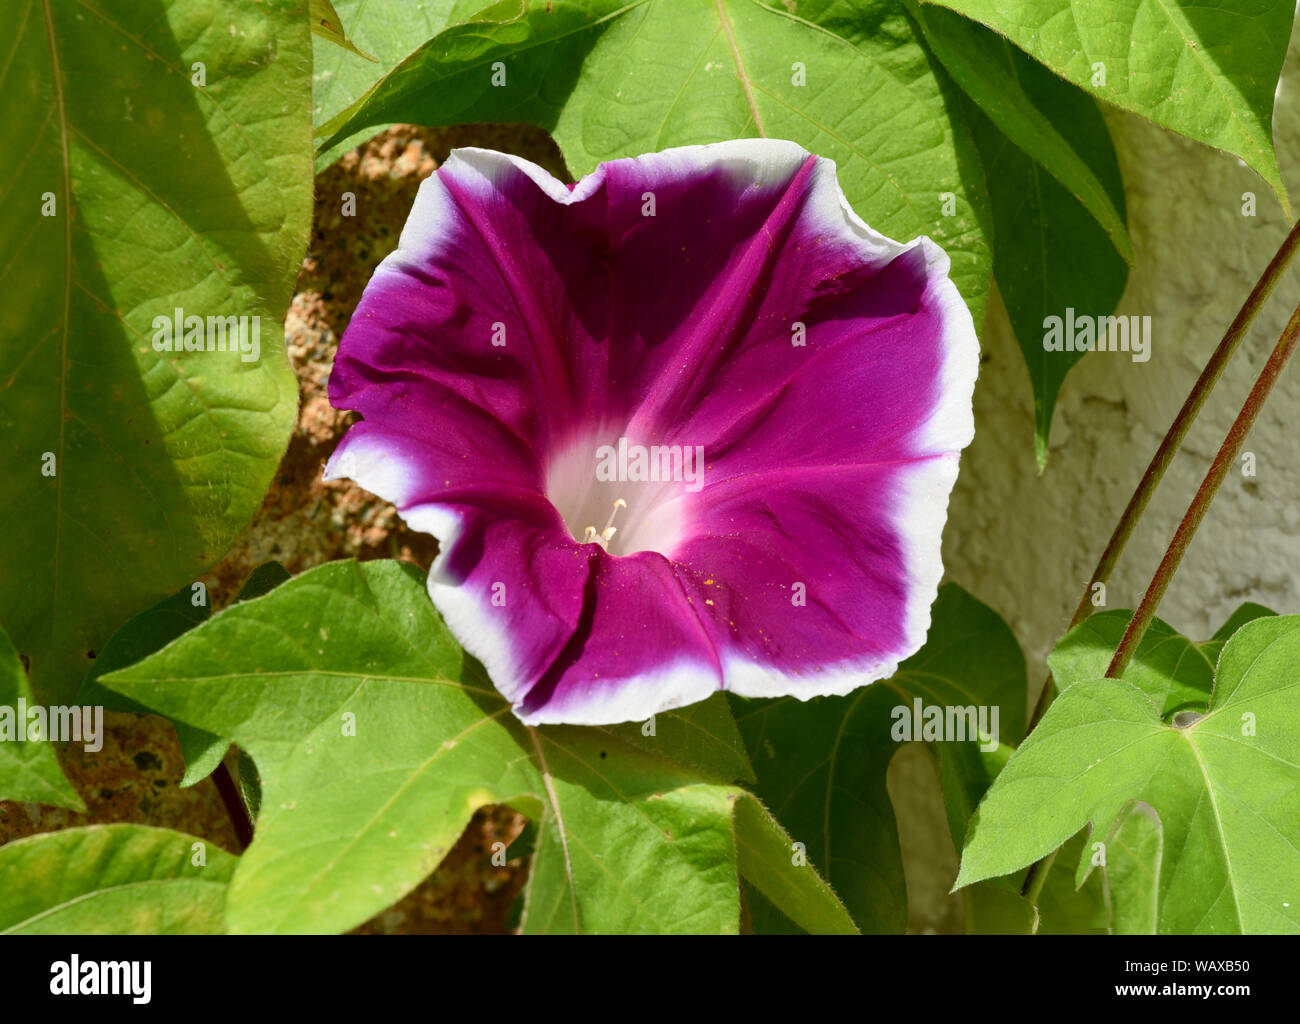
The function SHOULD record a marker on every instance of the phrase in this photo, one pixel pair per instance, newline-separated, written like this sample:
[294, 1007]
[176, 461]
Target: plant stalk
[1214, 478]
[1173, 440]
[234, 803]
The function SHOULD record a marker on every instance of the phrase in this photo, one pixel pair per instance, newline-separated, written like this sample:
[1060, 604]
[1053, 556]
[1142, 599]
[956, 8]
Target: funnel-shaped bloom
[686, 425]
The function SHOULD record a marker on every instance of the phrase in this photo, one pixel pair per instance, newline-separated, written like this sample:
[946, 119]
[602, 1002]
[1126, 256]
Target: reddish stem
[1173, 439]
[1218, 470]
[235, 809]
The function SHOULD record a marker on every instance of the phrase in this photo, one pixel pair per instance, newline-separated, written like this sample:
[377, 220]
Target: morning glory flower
[686, 425]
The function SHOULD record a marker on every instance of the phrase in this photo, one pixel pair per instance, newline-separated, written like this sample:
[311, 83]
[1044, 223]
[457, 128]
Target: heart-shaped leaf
[1052, 258]
[160, 162]
[1003, 82]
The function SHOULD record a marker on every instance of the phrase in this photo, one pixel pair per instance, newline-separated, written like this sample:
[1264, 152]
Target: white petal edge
[951, 424]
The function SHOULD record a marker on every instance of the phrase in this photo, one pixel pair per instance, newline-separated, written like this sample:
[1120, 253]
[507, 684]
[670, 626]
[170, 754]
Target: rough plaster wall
[1026, 544]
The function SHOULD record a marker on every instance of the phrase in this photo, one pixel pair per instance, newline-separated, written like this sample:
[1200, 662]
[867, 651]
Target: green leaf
[1171, 670]
[113, 880]
[153, 630]
[162, 194]
[28, 770]
[821, 764]
[250, 784]
[610, 78]
[632, 843]
[150, 631]
[1206, 71]
[1051, 255]
[702, 736]
[966, 770]
[995, 906]
[776, 867]
[375, 738]
[1134, 849]
[1226, 787]
[1069, 905]
[1054, 187]
[1176, 674]
[262, 580]
[389, 30]
[326, 23]
[992, 72]
[1248, 612]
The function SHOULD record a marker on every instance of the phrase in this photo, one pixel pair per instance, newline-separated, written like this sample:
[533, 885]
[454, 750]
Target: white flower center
[593, 481]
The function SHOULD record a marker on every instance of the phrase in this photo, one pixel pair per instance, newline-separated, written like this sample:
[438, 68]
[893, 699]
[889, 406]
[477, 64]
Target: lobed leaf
[1225, 785]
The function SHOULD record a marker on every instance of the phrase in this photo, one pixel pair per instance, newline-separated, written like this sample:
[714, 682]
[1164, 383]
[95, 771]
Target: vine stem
[1214, 478]
[1173, 440]
[234, 803]
[1155, 471]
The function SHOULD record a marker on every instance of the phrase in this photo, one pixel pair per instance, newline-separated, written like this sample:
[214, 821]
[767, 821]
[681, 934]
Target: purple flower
[686, 425]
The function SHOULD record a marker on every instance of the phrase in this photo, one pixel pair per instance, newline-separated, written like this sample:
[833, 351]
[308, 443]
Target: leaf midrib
[61, 106]
[746, 83]
[1189, 737]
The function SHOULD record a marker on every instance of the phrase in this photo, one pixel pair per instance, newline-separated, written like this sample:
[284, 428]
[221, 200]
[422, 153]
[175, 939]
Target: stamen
[608, 531]
[590, 536]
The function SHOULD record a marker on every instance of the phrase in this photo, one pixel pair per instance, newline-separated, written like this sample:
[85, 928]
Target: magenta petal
[720, 299]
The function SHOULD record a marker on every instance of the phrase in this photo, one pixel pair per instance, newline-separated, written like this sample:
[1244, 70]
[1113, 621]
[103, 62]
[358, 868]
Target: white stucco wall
[1027, 544]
